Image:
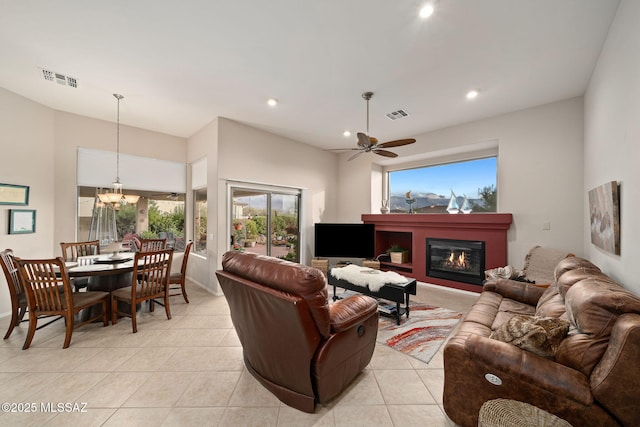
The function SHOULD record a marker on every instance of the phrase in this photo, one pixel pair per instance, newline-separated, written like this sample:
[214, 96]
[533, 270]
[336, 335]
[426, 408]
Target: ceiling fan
[369, 144]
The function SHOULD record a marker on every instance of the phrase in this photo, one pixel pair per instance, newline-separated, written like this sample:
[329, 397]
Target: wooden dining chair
[150, 280]
[177, 279]
[152, 245]
[16, 292]
[41, 279]
[71, 252]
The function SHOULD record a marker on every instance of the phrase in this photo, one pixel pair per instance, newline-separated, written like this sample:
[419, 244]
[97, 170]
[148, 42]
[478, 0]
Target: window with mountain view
[432, 187]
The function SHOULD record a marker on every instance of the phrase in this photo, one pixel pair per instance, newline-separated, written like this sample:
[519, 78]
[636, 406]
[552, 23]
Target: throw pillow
[539, 335]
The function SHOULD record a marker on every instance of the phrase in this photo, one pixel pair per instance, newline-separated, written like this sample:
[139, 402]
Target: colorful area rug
[422, 334]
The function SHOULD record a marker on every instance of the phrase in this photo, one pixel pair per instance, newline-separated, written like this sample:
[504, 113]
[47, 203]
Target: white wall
[204, 144]
[251, 155]
[73, 131]
[26, 150]
[539, 173]
[612, 140]
[242, 153]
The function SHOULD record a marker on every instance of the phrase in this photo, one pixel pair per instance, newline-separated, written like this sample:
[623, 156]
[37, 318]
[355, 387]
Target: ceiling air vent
[394, 115]
[61, 79]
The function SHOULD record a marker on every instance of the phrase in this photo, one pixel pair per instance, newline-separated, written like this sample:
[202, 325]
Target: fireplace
[458, 260]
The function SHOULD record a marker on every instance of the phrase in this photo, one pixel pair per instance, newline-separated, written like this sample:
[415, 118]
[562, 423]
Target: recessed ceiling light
[427, 10]
[346, 133]
[272, 102]
[472, 94]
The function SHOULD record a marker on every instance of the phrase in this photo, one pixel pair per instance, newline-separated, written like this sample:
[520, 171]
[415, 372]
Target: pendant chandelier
[115, 196]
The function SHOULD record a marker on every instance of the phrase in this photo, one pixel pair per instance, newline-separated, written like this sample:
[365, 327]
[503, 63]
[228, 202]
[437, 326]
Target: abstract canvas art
[604, 211]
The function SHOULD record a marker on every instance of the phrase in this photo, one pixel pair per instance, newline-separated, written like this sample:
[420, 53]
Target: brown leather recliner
[299, 347]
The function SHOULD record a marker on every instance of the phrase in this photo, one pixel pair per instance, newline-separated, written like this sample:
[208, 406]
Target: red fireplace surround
[412, 230]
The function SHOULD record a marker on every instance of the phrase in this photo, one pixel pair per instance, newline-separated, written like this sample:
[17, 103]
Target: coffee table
[398, 293]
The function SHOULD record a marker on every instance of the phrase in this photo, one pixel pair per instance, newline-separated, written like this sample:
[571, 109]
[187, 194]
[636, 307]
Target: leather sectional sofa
[593, 379]
[299, 347]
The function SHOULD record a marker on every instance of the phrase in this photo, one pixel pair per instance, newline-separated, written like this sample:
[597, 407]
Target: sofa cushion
[568, 272]
[572, 263]
[551, 303]
[593, 306]
[539, 335]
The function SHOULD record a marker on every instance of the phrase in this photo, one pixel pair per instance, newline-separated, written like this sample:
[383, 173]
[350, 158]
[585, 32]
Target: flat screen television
[344, 240]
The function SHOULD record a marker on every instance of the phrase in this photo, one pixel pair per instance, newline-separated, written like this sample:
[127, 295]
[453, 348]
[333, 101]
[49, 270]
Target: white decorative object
[453, 207]
[385, 206]
[466, 207]
[364, 276]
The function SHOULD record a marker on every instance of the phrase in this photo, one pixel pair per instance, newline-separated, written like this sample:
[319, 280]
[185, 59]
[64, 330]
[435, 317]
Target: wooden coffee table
[398, 293]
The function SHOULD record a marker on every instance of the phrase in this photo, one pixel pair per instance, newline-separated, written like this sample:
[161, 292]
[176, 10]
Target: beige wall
[250, 155]
[73, 131]
[26, 150]
[236, 152]
[612, 140]
[204, 144]
[539, 173]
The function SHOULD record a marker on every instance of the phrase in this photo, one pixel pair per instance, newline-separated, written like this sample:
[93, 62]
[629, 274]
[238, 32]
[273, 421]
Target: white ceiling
[180, 64]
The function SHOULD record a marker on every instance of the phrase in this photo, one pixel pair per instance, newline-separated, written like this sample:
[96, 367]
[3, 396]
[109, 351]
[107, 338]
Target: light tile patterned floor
[189, 371]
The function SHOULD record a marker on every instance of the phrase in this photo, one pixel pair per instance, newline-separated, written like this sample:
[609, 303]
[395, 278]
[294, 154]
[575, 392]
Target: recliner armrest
[527, 293]
[346, 313]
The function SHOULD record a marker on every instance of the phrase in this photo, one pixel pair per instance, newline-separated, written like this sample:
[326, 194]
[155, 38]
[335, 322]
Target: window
[200, 220]
[155, 215]
[265, 220]
[431, 187]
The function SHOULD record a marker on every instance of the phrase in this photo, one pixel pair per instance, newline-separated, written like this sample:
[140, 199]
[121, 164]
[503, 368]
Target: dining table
[106, 272]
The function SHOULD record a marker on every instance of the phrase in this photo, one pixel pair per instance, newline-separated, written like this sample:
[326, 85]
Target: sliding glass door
[266, 221]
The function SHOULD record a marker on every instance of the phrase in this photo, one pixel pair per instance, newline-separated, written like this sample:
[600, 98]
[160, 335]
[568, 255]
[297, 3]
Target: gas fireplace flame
[459, 262]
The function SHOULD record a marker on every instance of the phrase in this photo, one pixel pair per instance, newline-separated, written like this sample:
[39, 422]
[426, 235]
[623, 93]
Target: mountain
[427, 203]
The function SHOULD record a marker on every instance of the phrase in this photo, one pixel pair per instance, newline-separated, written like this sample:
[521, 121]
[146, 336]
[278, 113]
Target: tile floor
[189, 371]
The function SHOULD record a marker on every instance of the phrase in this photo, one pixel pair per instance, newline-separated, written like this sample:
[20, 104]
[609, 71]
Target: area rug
[422, 334]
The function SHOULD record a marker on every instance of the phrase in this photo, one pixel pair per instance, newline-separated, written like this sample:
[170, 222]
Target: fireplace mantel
[412, 230]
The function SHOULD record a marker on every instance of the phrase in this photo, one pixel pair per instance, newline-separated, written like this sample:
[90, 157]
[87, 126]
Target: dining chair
[16, 292]
[152, 245]
[41, 279]
[177, 279]
[150, 280]
[74, 250]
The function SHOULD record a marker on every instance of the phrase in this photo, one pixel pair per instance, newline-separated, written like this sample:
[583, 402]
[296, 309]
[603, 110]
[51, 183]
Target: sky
[464, 178]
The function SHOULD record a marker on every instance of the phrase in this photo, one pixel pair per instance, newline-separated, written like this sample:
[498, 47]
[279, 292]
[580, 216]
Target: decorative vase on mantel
[384, 209]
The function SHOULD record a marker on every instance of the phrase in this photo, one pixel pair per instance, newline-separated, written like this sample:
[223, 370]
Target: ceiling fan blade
[342, 149]
[355, 155]
[363, 140]
[385, 153]
[397, 143]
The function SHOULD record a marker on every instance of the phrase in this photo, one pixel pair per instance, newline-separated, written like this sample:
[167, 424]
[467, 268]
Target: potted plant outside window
[398, 254]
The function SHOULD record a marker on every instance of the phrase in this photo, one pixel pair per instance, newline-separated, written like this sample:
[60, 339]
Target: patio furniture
[151, 245]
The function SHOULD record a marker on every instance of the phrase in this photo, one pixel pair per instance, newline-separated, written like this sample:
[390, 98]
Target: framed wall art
[22, 221]
[14, 194]
[604, 213]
